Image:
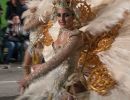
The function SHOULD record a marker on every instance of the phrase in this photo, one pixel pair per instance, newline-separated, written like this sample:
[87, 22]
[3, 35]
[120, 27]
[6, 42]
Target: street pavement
[9, 88]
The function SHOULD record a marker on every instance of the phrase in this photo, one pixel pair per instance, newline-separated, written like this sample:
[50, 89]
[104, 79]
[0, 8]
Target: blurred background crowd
[13, 39]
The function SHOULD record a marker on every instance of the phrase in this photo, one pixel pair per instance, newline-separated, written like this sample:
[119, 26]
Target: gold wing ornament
[99, 78]
[101, 34]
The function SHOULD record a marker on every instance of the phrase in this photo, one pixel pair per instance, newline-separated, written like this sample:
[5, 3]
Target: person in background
[11, 9]
[13, 39]
[21, 7]
[17, 7]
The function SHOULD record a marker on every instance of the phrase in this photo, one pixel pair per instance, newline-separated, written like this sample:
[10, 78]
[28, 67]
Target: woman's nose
[62, 18]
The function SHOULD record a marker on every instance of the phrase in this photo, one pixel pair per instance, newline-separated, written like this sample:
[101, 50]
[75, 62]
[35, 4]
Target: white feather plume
[117, 60]
[44, 9]
[96, 3]
[42, 13]
[108, 17]
[30, 5]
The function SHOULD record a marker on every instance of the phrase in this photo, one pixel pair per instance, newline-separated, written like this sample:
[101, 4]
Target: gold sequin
[99, 79]
[47, 40]
[44, 38]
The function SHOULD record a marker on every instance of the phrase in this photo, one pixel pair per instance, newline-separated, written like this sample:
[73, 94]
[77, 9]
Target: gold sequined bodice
[61, 40]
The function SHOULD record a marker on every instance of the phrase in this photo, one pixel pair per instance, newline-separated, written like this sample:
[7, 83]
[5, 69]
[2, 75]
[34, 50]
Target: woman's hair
[13, 15]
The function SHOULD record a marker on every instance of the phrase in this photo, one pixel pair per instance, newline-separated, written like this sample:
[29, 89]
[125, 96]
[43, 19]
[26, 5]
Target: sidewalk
[12, 65]
[8, 98]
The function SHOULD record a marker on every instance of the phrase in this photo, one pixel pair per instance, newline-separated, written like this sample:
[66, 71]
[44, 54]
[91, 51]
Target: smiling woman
[85, 55]
[60, 56]
[65, 18]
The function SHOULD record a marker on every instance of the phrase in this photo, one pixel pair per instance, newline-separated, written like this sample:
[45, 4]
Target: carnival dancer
[97, 51]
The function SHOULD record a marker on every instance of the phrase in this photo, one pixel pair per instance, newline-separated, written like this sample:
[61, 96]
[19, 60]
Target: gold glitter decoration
[105, 41]
[99, 79]
[86, 13]
[44, 38]
[36, 57]
[47, 39]
[81, 9]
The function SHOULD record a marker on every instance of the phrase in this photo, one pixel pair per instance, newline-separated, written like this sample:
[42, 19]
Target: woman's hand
[36, 69]
[23, 84]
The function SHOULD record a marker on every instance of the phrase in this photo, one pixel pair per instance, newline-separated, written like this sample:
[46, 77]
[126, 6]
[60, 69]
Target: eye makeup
[64, 14]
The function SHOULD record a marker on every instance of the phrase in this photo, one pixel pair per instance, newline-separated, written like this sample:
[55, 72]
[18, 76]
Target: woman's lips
[62, 23]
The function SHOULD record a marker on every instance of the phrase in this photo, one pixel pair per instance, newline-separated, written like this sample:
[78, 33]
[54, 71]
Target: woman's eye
[58, 15]
[66, 15]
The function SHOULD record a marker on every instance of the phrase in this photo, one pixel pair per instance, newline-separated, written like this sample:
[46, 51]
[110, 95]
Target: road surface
[9, 88]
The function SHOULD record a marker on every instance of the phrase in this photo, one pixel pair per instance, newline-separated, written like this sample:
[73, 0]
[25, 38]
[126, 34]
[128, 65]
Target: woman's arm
[74, 42]
[27, 63]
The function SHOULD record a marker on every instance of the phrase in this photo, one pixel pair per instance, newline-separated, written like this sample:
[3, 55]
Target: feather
[96, 3]
[108, 17]
[117, 60]
[31, 19]
[42, 12]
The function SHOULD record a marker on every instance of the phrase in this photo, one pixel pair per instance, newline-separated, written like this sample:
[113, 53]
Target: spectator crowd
[13, 38]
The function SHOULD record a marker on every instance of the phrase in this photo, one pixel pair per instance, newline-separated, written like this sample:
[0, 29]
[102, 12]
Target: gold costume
[93, 54]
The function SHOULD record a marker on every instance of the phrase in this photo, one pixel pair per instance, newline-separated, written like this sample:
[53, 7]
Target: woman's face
[65, 18]
[16, 20]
